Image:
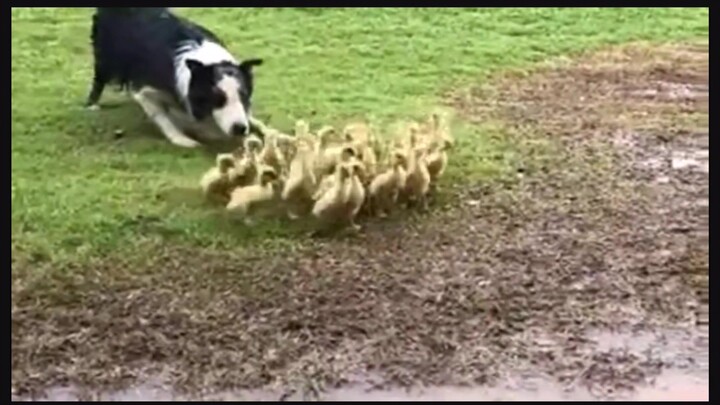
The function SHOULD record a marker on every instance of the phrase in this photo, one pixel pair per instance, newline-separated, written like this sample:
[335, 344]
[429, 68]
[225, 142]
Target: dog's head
[222, 92]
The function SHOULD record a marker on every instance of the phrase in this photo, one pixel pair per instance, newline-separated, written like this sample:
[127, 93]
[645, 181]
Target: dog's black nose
[238, 129]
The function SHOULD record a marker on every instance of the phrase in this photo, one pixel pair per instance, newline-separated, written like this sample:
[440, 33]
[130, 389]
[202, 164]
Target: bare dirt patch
[606, 228]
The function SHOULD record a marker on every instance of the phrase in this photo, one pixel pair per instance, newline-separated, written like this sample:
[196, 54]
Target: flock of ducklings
[329, 174]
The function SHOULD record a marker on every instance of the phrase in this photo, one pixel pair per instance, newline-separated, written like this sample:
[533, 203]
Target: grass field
[77, 193]
[120, 268]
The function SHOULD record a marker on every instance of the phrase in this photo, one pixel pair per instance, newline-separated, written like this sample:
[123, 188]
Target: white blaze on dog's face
[222, 92]
[232, 116]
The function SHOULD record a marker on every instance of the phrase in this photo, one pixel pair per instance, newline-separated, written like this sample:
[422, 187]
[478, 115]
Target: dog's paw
[185, 142]
[93, 107]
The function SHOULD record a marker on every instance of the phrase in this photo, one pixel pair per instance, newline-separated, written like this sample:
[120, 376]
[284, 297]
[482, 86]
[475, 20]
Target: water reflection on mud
[686, 380]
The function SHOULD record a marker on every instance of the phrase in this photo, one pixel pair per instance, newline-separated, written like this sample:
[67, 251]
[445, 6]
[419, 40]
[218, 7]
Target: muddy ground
[603, 229]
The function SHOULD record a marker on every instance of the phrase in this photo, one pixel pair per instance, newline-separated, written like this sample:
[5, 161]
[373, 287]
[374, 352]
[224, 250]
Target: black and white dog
[179, 72]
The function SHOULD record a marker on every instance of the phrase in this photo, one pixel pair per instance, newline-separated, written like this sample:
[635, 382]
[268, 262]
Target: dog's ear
[193, 65]
[250, 63]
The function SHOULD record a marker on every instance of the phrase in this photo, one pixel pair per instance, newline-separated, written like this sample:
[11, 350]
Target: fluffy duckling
[325, 133]
[332, 204]
[342, 202]
[347, 153]
[271, 154]
[417, 181]
[242, 199]
[301, 182]
[438, 142]
[287, 145]
[437, 129]
[216, 181]
[280, 142]
[359, 132]
[385, 187]
[437, 158]
[322, 139]
[356, 193]
[362, 137]
[326, 183]
[407, 136]
[257, 126]
[366, 154]
[302, 129]
[245, 171]
[330, 156]
[283, 138]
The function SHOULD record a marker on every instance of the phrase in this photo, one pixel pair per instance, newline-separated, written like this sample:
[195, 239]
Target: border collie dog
[179, 72]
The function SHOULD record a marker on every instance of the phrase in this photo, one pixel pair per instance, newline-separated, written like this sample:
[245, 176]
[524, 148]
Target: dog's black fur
[183, 62]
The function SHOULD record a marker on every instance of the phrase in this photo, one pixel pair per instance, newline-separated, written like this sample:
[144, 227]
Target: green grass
[77, 193]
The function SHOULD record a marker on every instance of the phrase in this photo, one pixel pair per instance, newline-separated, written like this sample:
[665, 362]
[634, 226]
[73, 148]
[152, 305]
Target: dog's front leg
[152, 106]
[95, 92]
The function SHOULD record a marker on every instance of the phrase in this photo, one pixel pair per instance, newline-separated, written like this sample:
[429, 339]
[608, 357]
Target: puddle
[679, 160]
[699, 159]
[683, 353]
[685, 377]
[672, 91]
[667, 386]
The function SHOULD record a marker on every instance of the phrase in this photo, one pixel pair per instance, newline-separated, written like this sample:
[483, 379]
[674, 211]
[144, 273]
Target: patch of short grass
[78, 192]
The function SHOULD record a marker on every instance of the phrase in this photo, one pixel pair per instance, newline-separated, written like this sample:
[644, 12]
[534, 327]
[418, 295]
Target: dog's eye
[244, 96]
[218, 98]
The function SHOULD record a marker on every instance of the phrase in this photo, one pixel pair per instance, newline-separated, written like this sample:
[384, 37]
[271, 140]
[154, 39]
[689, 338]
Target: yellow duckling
[366, 154]
[438, 142]
[302, 129]
[359, 132]
[437, 158]
[417, 181]
[440, 125]
[356, 193]
[242, 199]
[327, 181]
[271, 154]
[301, 182]
[332, 205]
[361, 135]
[216, 181]
[329, 155]
[385, 187]
[245, 171]
[341, 203]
